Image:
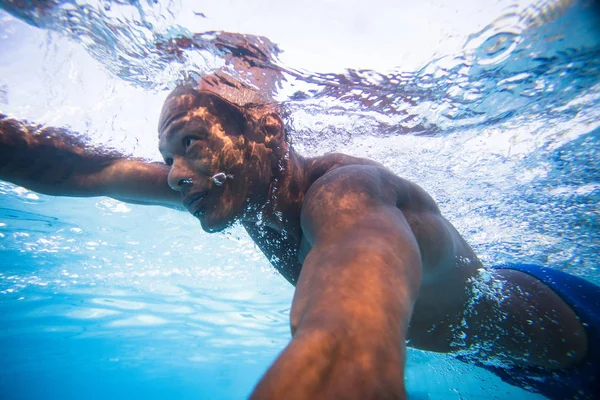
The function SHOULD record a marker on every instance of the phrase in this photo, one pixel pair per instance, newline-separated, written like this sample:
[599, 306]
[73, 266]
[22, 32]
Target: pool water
[493, 111]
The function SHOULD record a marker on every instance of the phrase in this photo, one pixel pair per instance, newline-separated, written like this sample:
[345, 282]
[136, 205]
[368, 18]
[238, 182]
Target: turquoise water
[493, 111]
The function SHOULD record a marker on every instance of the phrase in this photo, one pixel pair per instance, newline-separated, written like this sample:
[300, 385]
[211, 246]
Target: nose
[180, 176]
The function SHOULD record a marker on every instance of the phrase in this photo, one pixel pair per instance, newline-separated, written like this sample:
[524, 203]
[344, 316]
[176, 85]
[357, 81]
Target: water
[493, 110]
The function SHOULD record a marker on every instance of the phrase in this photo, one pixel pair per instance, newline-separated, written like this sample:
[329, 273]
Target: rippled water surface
[494, 110]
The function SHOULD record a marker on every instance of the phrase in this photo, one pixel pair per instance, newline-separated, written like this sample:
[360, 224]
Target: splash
[512, 68]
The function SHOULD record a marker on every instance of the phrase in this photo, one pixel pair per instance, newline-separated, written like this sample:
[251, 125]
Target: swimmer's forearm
[349, 320]
[138, 182]
[321, 364]
[53, 161]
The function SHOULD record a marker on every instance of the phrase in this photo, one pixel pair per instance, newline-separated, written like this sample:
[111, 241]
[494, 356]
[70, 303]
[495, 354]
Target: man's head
[201, 134]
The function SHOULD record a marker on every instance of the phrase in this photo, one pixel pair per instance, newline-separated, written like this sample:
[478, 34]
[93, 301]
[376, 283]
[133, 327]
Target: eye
[187, 142]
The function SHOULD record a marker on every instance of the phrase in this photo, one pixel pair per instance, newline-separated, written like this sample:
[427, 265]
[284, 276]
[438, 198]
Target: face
[202, 136]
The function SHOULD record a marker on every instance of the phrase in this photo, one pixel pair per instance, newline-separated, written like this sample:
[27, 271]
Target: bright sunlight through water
[493, 109]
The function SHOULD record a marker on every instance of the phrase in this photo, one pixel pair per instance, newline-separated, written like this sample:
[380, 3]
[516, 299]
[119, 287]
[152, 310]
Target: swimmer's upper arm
[357, 233]
[355, 293]
[53, 161]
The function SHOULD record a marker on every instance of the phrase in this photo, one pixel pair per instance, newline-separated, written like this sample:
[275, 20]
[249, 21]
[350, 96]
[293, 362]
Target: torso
[455, 261]
[448, 265]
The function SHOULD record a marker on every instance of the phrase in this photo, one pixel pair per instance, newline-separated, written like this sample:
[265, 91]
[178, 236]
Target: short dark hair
[246, 117]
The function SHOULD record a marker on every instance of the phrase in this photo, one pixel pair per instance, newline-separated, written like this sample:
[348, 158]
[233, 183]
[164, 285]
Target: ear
[232, 117]
[272, 128]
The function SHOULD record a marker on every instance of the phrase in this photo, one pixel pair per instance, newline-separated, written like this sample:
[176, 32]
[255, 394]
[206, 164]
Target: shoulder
[347, 193]
[354, 193]
[340, 174]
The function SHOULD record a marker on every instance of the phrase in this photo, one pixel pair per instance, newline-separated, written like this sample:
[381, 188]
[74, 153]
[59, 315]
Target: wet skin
[374, 262]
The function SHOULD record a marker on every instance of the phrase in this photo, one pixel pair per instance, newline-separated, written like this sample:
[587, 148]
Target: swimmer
[375, 265]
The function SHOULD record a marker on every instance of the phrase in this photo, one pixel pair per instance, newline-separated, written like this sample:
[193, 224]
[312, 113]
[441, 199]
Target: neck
[279, 208]
[288, 187]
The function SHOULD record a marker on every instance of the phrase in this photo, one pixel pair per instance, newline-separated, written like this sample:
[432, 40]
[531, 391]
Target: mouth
[192, 203]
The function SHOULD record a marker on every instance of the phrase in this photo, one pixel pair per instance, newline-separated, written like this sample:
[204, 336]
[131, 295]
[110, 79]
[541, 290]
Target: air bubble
[220, 178]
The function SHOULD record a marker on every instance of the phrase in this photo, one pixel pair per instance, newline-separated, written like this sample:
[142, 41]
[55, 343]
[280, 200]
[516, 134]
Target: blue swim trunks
[581, 381]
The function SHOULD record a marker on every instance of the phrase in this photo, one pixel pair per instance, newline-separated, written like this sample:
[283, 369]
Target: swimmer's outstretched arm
[354, 296]
[53, 161]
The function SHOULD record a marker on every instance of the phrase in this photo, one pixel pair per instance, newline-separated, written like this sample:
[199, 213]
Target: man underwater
[375, 264]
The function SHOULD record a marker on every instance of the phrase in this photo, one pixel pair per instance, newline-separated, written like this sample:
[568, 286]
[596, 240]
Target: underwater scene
[492, 107]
